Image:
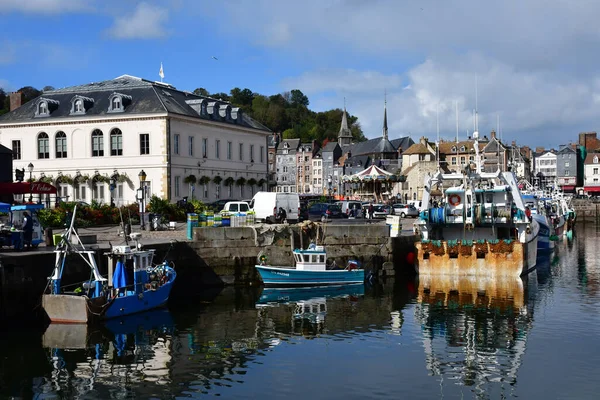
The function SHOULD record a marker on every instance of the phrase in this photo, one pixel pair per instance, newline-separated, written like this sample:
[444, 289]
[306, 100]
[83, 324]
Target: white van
[236, 206]
[417, 203]
[266, 205]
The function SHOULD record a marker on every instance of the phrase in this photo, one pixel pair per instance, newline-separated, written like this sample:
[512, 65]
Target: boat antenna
[437, 122]
[498, 146]
[123, 227]
[456, 110]
[476, 133]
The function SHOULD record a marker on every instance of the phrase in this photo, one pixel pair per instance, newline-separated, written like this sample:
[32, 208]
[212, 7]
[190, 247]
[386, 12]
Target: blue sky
[534, 61]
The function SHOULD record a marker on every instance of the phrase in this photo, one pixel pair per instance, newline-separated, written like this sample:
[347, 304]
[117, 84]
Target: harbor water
[532, 338]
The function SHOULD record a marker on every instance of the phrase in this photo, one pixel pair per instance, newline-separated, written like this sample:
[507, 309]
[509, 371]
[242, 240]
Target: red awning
[25, 187]
[568, 187]
[591, 188]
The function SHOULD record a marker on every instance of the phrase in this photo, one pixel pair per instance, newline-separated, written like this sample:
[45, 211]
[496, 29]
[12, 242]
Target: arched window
[78, 106]
[97, 143]
[43, 145]
[116, 142]
[61, 145]
[116, 103]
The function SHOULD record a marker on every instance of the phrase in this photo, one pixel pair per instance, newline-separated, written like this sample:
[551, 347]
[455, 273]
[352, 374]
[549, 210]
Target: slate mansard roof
[140, 96]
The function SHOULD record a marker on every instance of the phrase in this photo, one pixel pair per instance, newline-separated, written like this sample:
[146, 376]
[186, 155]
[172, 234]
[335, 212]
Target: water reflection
[306, 308]
[474, 329]
[107, 361]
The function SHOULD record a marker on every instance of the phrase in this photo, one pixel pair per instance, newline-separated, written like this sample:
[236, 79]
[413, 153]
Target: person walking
[27, 229]
[371, 210]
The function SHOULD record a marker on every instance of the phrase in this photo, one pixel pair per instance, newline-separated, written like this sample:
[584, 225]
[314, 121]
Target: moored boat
[479, 226]
[133, 284]
[311, 269]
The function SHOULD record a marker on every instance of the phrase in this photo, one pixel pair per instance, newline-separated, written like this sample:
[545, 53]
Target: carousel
[373, 183]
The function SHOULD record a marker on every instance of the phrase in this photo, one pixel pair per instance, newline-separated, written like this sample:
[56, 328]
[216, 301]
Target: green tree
[242, 97]
[201, 92]
[29, 93]
[298, 98]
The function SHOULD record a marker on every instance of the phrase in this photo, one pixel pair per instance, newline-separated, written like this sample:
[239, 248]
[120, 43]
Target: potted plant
[190, 179]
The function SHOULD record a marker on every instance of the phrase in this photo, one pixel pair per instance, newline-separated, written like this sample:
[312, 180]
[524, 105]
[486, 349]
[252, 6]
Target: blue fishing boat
[133, 283]
[311, 269]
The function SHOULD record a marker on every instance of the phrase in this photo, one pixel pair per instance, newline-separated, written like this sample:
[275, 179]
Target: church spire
[345, 135]
[385, 126]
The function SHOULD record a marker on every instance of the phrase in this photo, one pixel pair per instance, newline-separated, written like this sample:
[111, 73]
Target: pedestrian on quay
[27, 229]
[371, 210]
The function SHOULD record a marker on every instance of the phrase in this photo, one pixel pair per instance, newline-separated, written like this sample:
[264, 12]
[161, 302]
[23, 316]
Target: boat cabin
[312, 259]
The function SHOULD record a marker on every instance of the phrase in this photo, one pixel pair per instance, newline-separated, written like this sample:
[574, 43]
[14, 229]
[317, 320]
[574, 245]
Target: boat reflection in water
[474, 330]
[103, 360]
[309, 304]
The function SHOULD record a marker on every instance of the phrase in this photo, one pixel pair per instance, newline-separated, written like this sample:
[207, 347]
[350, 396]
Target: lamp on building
[30, 169]
[141, 194]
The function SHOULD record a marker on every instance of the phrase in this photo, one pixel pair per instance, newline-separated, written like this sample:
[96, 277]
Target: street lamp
[113, 184]
[30, 169]
[141, 196]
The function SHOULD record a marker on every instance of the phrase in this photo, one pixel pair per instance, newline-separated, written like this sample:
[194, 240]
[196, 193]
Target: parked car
[350, 208]
[381, 210]
[219, 204]
[405, 210]
[324, 212]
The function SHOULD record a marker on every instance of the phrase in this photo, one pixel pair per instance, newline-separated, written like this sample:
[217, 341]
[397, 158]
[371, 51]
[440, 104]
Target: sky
[528, 66]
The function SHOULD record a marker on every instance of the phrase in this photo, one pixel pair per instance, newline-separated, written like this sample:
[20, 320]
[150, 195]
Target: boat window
[306, 258]
[322, 258]
[322, 308]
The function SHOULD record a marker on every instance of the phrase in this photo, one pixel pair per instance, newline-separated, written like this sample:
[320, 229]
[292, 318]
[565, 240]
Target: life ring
[454, 199]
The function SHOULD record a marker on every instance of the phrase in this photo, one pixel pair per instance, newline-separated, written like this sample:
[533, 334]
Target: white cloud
[146, 22]
[4, 84]
[534, 107]
[343, 80]
[44, 6]
[535, 61]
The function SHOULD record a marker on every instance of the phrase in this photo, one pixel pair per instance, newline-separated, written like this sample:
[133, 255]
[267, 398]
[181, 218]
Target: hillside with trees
[286, 112]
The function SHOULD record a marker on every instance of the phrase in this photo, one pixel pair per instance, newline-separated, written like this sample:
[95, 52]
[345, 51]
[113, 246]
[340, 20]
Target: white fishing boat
[311, 269]
[479, 226]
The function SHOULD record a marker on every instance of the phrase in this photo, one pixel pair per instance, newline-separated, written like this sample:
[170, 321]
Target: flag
[161, 73]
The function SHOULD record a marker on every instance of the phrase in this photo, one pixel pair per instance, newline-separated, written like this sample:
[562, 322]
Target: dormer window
[118, 102]
[45, 107]
[462, 148]
[80, 104]
[453, 148]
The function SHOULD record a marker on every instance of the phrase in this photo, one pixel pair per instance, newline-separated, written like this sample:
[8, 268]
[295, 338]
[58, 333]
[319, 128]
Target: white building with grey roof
[189, 146]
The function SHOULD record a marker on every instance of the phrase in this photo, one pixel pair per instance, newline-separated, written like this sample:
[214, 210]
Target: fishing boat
[540, 211]
[311, 269]
[478, 226]
[133, 283]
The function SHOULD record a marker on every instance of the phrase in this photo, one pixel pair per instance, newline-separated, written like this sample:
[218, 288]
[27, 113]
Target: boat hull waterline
[283, 276]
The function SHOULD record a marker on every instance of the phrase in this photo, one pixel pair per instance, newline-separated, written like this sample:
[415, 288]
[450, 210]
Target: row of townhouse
[80, 138]
[309, 168]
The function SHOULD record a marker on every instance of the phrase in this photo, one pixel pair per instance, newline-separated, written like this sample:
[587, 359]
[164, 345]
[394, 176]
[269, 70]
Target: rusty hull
[492, 265]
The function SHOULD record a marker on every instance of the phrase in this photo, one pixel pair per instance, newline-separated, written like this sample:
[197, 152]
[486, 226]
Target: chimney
[493, 134]
[540, 149]
[16, 99]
